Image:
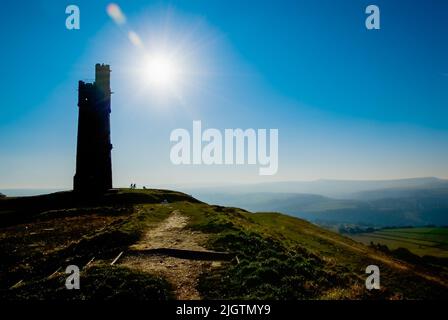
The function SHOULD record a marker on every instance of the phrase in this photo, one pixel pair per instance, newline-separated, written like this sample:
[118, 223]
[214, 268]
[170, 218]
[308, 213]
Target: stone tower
[93, 157]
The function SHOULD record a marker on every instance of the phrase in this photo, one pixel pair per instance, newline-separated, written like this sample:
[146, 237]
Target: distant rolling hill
[340, 189]
[411, 202]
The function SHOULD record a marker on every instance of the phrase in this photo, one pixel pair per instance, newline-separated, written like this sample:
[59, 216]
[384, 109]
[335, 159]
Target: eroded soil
[183, 274]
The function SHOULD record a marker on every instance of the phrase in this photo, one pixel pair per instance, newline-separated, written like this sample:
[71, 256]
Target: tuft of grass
[267, 270]
[99, 283]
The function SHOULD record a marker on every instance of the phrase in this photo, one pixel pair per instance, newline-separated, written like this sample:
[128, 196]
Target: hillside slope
[391, 207]
[175, 246]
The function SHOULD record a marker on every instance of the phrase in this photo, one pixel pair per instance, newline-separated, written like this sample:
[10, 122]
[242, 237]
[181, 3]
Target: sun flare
[161, 71]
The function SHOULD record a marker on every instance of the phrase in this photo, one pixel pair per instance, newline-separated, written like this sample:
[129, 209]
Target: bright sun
[161, 71]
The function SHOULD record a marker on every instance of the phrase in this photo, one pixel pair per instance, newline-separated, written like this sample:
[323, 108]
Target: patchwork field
[420, 241]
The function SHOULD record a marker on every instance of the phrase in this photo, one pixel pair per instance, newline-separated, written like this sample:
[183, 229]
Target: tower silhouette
[93, 157]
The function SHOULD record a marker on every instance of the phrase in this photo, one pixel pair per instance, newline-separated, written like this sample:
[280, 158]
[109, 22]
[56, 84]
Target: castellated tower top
[102, 77]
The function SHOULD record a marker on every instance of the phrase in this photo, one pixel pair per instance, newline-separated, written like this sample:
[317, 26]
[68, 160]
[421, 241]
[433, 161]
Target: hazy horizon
[221, 187]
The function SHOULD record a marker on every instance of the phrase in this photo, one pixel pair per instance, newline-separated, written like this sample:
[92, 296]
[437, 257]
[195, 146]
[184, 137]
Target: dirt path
[183, 274]
[171, 233]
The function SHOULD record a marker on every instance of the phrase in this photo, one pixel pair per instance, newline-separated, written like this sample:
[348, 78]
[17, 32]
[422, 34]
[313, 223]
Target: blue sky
[349, 103]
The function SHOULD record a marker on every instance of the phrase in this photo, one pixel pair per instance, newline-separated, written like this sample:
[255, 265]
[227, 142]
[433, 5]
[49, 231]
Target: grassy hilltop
[175, 246]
